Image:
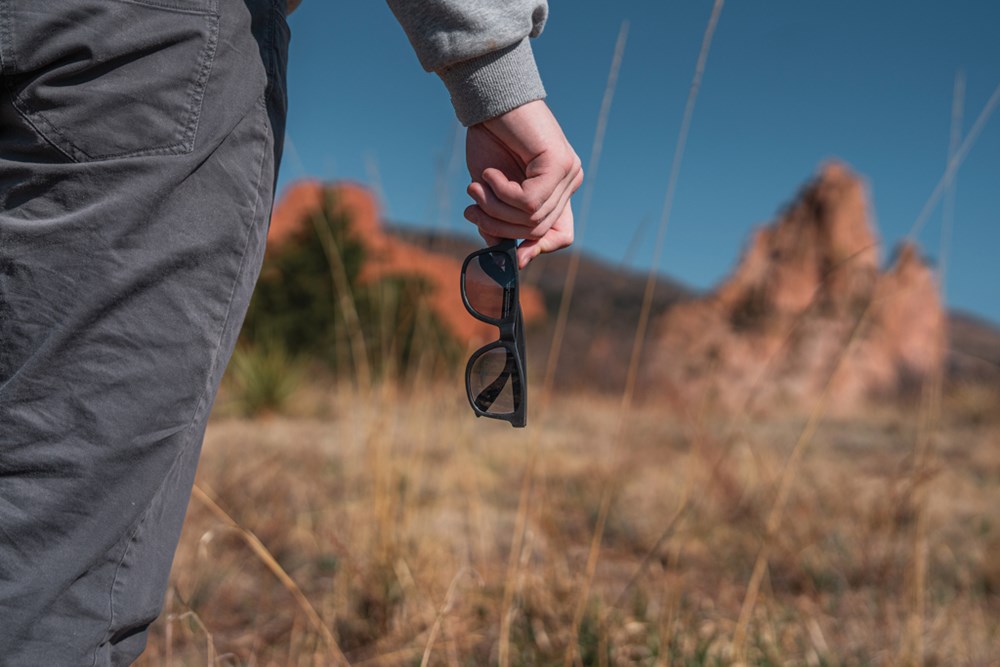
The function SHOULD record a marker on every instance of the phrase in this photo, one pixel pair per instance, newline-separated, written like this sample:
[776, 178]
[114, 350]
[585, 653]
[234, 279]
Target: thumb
[559, 236]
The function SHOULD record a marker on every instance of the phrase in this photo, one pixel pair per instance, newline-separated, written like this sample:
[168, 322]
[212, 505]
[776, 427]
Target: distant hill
[605, 312]
[974, 349]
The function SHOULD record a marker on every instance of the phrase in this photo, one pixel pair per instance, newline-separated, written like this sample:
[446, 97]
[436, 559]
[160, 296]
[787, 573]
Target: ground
[391, 513]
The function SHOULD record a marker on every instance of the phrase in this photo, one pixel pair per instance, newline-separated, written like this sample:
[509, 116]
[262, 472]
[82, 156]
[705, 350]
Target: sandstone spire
[772, 334]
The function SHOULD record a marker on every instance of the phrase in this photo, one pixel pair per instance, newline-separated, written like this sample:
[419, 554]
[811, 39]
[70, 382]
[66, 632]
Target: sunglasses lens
[496, 389]
[489, 281]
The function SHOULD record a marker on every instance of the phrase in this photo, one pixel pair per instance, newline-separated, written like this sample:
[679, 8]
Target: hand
[523, 173]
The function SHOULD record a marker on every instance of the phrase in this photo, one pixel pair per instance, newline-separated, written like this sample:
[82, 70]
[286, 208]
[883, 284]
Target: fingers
[538, 196]
[563, 203]
[499, 228]
[489, 240]
[534, 223]
[559, 236]
[553, 233]
[487, 200]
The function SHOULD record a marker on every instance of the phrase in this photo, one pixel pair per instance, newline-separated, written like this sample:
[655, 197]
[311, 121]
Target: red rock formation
[806, 300]
[292, 210]
[387, 255]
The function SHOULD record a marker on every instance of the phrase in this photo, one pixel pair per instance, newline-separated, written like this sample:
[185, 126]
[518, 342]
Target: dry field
[392, 520]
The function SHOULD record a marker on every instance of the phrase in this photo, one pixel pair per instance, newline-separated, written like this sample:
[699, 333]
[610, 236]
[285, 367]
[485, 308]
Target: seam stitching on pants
[211, 9]
[213, 365]
[131, 540]
[265, 125]
[196, 96]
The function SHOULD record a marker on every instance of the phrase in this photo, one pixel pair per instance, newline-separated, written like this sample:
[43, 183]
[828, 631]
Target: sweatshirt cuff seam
[488, 86]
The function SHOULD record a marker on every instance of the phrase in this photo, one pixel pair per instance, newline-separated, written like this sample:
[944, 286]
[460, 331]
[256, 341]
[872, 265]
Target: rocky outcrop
[806, 311]
[387, 255]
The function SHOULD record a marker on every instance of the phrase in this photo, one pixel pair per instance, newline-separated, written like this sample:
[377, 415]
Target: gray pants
[138, 144]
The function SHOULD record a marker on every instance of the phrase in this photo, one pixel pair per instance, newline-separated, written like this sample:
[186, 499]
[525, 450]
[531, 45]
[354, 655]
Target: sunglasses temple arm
[486, 398]
[515, 387]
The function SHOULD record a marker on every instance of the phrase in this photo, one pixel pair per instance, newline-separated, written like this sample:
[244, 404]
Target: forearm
[479, 48]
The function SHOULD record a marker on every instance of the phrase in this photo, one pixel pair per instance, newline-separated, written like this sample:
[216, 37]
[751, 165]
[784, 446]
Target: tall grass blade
[955, 162]
[524, 500]
[347, 304]
[929, 417]
[948, 215]
[640, 333]
[449, 599]
[588, 195]
[265, 557]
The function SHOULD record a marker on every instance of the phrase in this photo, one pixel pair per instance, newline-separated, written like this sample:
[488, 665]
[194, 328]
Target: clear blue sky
[788, 85]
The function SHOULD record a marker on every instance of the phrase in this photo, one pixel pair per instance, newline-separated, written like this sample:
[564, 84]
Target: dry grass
[394, 516]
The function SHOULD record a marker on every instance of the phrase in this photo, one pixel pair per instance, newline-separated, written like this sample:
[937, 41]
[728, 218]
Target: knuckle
[534, 203]
[546, 231]
[536, 218]
[537, 234]
[571, 162]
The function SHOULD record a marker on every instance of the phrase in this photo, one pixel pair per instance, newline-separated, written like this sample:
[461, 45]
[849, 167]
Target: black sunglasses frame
[511, 327]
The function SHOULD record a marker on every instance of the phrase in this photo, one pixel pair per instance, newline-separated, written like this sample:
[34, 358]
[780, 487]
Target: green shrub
[310, 299]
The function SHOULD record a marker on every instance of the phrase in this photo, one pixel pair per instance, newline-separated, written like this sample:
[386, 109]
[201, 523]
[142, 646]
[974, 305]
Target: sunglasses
[495, 379]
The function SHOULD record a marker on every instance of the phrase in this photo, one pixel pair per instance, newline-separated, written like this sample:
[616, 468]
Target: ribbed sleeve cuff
[491, 85]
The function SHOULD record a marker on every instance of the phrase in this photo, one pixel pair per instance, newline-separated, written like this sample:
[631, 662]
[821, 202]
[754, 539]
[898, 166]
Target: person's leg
[137, 154]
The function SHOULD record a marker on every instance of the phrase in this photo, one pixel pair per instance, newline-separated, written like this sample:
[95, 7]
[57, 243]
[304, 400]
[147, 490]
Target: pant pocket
[102, 79]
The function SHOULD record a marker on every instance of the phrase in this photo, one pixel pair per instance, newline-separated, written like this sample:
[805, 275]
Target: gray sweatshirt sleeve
[479, 48]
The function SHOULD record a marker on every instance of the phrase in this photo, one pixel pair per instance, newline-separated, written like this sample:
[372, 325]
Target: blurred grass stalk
[265, 556]
[347, 303]
[555, 347]
[929, 419]
[640, 334]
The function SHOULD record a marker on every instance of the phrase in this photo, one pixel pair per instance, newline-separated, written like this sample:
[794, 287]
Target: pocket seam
[211, 10]
[192, 111]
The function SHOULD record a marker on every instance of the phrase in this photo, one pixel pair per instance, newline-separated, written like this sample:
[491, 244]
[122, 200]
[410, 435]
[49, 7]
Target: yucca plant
[263, 377]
